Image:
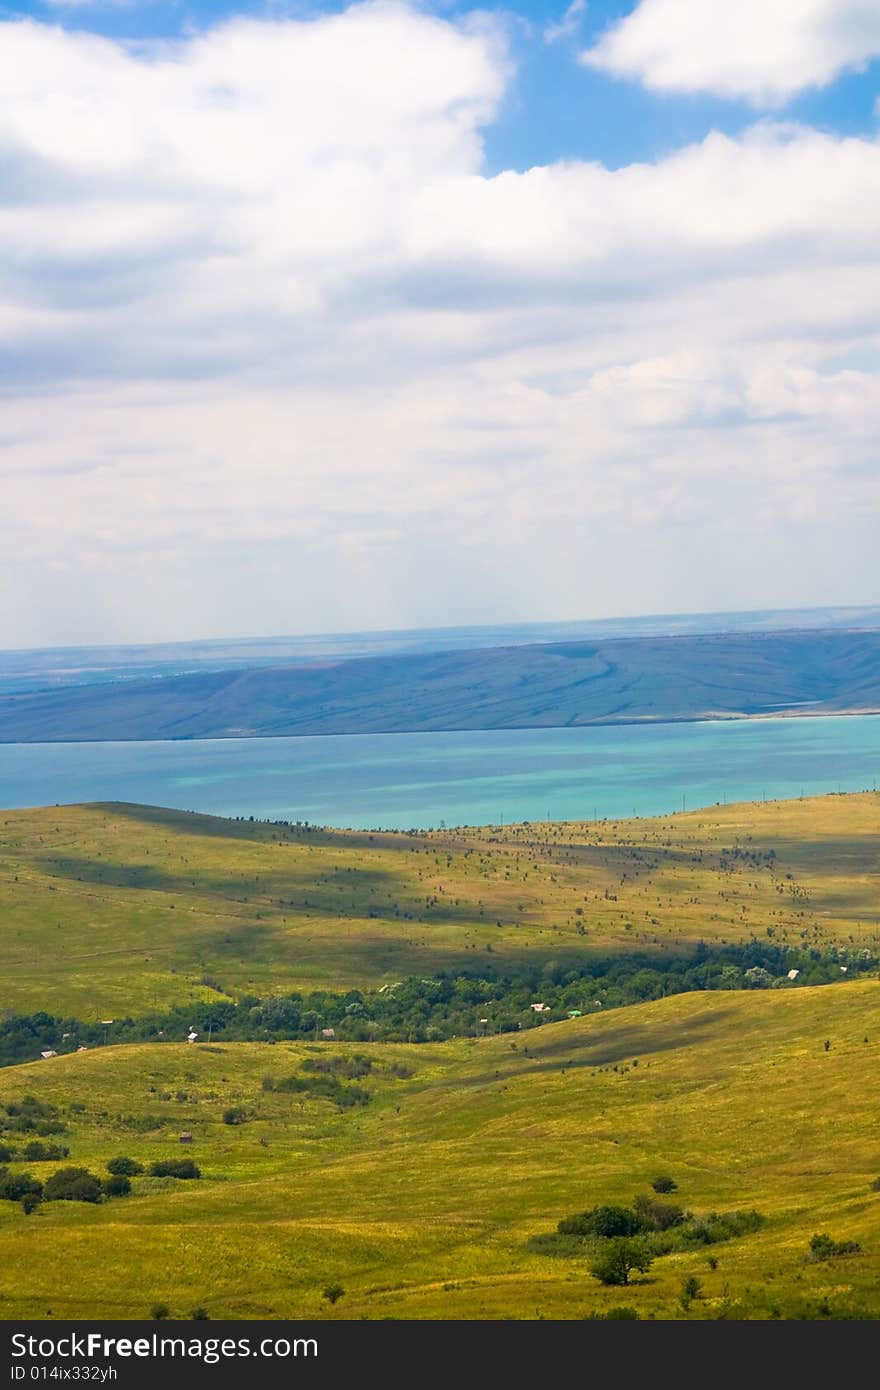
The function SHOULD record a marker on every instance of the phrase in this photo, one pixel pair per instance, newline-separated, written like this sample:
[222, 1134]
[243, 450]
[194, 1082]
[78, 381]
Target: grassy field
[420, 1203]
[112, 909]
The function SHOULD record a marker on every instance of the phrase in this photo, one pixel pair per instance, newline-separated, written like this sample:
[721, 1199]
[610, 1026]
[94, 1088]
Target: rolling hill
[109, 910]
[761, 1101]
[614, 680]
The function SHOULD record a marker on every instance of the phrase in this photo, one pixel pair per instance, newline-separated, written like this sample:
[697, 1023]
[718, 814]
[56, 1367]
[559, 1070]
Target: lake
[397, 781]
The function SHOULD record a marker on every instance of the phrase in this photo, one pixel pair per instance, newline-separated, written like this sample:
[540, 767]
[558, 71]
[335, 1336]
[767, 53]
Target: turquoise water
[426, 780]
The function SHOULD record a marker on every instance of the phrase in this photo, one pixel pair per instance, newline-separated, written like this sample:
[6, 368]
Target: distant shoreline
[633, 721]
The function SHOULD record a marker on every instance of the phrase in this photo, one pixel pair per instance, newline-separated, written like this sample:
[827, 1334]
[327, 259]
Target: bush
[235, 1115]
[124, 1167]
[621, 1312]
[620, 1256]
[160, 1311]
[117, 1185]
[664, 1183]
[200, 1315]
[601, 1221]
[15, 1186]
[29, 1203]
[35, 1152]
[718, 1226]
[6, 1154]
[72, 1185]
[175, 1168]
[658, 1216]
[875, 1185]
[822, 1247]
[690, 1289]
[333, 1292]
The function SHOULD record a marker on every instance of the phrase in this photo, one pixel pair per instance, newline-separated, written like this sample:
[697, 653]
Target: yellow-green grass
[421, 1203]
[111, 909]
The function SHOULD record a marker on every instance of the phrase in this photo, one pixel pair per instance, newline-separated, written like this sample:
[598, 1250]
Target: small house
[328, 1033]
[793, 974]
[50, 1052]
[185, 1137]
[539, 1008]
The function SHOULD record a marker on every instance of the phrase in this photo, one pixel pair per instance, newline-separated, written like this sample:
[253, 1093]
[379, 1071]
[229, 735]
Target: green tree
[117, 1185]
[664, 1183]
[72, 1185]
[124, 1167]
[618, 1258]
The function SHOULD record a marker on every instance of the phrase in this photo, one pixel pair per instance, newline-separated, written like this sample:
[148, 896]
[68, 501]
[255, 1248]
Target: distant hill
[549, 684]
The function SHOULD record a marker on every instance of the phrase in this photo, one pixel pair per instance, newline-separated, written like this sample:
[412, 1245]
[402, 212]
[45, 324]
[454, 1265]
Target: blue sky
[385, 315]
[557, 108]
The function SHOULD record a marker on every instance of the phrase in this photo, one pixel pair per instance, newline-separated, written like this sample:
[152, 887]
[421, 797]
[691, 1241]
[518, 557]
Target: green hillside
[113, 910]
[422, 1202]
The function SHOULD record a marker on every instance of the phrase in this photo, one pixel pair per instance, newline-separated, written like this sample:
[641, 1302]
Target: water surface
[398, 781]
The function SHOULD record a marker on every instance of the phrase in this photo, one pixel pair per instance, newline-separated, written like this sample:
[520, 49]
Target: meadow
[109, 910]
[422, 1202]
[426, 1180]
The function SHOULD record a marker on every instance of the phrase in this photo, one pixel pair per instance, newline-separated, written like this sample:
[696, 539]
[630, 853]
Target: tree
[117, 1185]
[124, 1167]
[664, 1183]
[601, 1221]
[16, 1186]
[72, 1185]
[690, 1289]
[175, 1168]
[618, 1258]
[659, 1215]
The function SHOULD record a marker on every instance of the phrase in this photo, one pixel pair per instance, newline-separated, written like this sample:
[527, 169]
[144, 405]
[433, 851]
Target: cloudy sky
[328, 318]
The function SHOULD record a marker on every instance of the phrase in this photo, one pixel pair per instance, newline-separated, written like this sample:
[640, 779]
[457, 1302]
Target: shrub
[601, 1221]
[15, 1186]
[117, 1185]
[175, 1168]
[160, 1311]
[29, 1203]
[235, 1115]
[35, 1152]
[200, 1315]
[124, 1167]
[333, 1292]
[6, 1154]
[690, 1289]
[822, 1247]
[659, 1216]
[664, 1183]
[717, 1226]
[72, 1185]
[621, 1312]
[875, 1185]
[619, 1257]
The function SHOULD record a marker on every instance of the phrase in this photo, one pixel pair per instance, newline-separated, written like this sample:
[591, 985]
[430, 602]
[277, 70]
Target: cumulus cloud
[280, 354]
[762, 50]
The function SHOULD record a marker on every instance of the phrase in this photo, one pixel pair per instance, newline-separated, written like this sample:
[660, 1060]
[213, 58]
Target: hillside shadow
[256, 831]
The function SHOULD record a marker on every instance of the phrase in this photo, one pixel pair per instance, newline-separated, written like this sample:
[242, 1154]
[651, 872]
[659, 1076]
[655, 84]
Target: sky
[343, 317]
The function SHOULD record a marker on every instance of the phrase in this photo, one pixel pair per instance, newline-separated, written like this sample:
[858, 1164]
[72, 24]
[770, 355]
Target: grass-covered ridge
[114, 910]
[735, 1095]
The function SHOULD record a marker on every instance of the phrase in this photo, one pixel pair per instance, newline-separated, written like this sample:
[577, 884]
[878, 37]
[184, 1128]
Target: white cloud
[279, 355]
[568, 25]
[762, 50]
